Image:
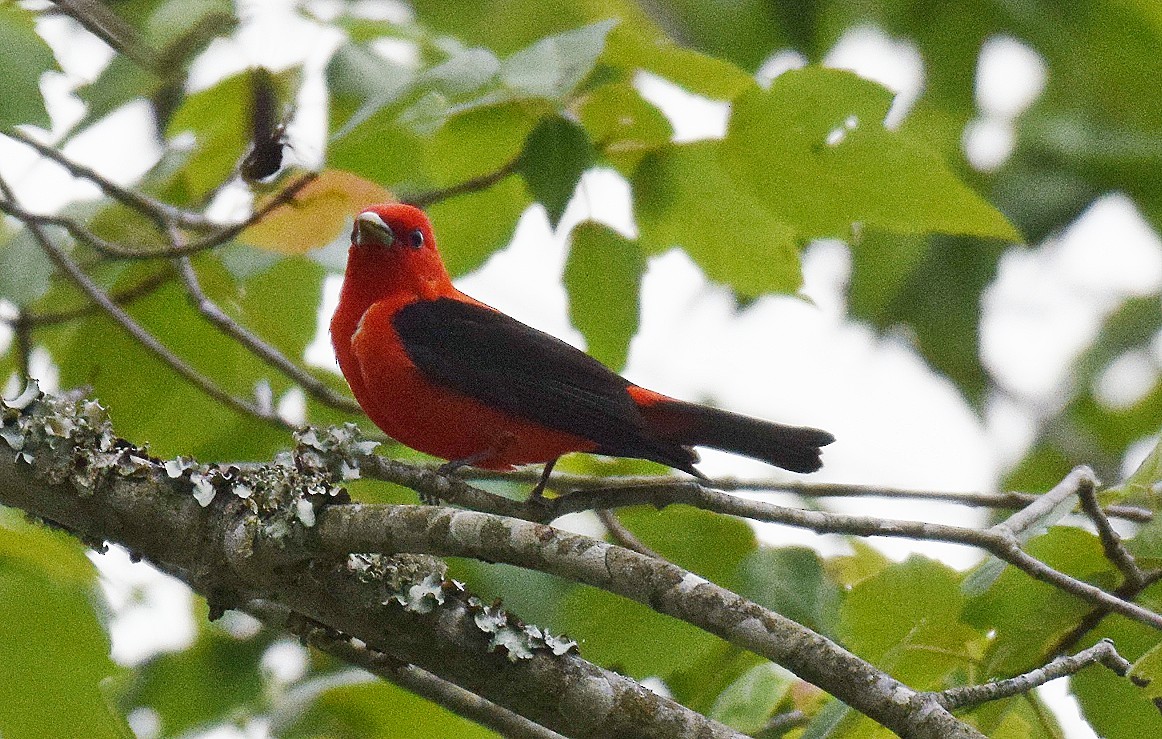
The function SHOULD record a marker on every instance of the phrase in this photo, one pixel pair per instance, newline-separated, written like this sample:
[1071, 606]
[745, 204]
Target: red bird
[452, 377]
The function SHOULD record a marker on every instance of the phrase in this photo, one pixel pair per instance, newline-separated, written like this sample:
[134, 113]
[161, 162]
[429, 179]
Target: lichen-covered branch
[415, 679]
[60, 462]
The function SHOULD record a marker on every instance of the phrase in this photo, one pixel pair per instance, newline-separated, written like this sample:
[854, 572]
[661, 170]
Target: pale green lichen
[419, 583]
[67, 439]
[70, 439]
[519, 640]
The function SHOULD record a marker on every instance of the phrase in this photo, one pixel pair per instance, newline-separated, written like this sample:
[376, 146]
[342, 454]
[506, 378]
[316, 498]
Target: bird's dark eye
[416, 239]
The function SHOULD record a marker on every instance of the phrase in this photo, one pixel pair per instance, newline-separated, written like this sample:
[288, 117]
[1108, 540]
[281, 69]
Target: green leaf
[793, 582]
[552, 67]
[603, 279]
[190, 23]
[707, 544]
[1149, 667]
[623, 125]
[469, 228]
[629, 637]
[748, 703]
[24, 57]
[213, 680]
[684, 197]
[119, 83]
[25, 271]
[882, 264]
[632, 47]
[906, 620]
[1144, 481]
[148, 401]
[219, 119]
[700, 682]
[53, 648]
[479, 141]
[555, 155]
[814, 148]
[937, 297]
[378, 709]
[1027, 616]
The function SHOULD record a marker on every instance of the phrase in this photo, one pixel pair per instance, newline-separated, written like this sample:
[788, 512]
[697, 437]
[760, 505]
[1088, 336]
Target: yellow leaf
[317, 215]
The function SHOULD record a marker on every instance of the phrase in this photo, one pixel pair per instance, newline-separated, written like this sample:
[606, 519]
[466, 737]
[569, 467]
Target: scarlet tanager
[450, 376]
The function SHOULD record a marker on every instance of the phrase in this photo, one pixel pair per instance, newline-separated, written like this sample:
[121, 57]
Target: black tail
[793, 448]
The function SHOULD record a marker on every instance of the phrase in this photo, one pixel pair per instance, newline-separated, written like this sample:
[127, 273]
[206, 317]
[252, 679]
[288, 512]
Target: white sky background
[897, 423]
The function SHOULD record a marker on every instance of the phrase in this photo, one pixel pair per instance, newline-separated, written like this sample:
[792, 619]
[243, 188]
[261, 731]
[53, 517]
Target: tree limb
[238, 549]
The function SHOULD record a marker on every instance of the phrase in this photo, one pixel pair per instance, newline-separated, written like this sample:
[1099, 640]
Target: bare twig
[134, 329]
[315, 387]
[120, 297]
[117, 251]
[781, 723]
[1005, 500]
[159, 212]
[623, 535]
[1101, 653]
[1111, 543]
[483, 182]
[108, 26]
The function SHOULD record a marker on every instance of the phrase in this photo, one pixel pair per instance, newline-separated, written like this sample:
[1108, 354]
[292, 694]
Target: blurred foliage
[527, 96]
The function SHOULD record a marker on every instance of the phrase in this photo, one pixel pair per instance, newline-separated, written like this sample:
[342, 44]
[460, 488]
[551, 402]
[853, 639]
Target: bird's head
[393, 242]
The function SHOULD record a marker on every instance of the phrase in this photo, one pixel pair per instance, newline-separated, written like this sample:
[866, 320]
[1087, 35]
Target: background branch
[1101, 653]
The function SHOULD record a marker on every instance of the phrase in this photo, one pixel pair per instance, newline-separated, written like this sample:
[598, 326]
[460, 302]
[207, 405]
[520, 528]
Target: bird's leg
[538, 494]
[449, 468]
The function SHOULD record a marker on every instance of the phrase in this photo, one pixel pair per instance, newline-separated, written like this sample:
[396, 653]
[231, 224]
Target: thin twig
[781, 723]
[22, 333]
[117, 251]
[622, 535]
[134, 329]
[1090, 621]
[120, 297]
[970, 695]
[483, 182]
[1005, 500]
[159, 212]
[1111, 543]
[110, 28]
[315, 387]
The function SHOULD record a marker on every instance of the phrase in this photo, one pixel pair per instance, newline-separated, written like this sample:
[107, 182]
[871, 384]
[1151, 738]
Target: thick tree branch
[241, 548]
[133, 501]
[409, 677]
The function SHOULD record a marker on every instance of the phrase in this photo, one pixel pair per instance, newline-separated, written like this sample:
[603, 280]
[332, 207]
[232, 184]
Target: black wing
[494, 358]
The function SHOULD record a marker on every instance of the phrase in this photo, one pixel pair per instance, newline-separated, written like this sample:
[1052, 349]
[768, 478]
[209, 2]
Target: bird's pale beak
[370, 230]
